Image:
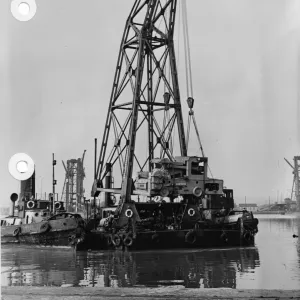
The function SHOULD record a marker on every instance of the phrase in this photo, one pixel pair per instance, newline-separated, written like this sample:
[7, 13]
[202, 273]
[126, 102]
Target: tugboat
[41, 222]
[172, 203]
[35, 225]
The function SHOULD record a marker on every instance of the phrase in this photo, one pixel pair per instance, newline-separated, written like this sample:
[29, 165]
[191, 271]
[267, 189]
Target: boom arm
[146, 58]
[289, 163]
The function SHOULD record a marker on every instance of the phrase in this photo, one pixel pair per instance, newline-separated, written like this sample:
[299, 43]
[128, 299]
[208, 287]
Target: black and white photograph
[150, 149]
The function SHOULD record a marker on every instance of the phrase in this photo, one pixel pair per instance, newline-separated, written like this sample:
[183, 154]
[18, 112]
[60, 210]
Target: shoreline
[170, 292]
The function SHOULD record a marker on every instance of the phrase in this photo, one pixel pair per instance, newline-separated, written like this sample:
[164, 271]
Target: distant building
[249, 206]
[279, 206]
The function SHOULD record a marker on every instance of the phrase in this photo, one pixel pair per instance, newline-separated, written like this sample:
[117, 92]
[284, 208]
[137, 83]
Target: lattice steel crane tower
[73, 191]
[296, 181]
[145, 100]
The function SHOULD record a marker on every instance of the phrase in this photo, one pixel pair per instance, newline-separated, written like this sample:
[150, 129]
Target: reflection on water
[206, 268]
[273, 263]
[214, 268]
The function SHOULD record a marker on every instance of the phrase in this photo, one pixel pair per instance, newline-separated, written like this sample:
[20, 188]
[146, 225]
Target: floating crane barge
[182, 207]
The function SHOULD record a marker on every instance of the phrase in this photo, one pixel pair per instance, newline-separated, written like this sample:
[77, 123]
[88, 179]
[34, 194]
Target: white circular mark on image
[22, 166]
[24, 8]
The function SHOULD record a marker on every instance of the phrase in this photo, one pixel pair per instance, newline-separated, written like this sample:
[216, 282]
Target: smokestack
[13, 198]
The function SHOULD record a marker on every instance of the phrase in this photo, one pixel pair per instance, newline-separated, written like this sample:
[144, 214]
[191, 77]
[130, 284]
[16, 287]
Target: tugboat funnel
[13, 198]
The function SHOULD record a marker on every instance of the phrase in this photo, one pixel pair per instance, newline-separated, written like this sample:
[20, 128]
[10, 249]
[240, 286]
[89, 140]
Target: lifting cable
[189, 83]
[188, 69]
[166, 118]
[187, 52]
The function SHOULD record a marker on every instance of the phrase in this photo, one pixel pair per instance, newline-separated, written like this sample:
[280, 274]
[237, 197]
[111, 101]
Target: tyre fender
[116, 240]
[45, 227]
[247, 236]
[17, 231]
[191, 237]
[128, 240]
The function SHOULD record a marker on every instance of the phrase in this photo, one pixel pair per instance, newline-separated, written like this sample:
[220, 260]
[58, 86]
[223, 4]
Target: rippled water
[274, 263]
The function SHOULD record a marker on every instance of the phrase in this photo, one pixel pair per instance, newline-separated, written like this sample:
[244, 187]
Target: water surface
[274, 263]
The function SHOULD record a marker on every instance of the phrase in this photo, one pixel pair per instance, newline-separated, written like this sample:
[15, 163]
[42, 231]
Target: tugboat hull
[42, 239]
[63, 232]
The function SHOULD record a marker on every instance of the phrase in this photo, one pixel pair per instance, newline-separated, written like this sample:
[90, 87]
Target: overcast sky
[56, 74]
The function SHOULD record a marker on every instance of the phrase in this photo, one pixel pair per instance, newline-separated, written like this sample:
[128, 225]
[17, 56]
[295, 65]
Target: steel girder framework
[73, 186]
[146, 89]
[297, 180]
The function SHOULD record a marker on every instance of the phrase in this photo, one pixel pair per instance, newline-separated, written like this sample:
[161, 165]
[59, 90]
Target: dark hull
[9, 239]
[58, 233]
[42, 239]
[58, 238]
[167, 239]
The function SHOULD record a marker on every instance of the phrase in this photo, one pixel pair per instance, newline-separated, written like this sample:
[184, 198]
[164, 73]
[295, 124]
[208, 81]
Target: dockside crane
[73, 191]
[143, 88]
[140, 132]
[296, 179]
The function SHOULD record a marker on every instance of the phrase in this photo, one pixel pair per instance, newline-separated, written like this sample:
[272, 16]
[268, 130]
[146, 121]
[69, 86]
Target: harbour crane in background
[73, 191]
[296, 180]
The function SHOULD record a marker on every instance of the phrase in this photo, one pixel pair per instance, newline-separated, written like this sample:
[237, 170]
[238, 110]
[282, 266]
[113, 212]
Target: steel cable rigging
[189, 81]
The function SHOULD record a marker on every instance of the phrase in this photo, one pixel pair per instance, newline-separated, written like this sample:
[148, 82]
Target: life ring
[30, 204]
[197, 191]
[191, 237]
[116, 240]
[191, 212]
[164, 192]
[128, 240]
[156, 198]
[45, 227]
[57, 205]
[17, 231]
[128, 213]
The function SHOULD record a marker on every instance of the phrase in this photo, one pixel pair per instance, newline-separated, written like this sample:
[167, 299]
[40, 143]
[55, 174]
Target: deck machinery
[144, 138]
